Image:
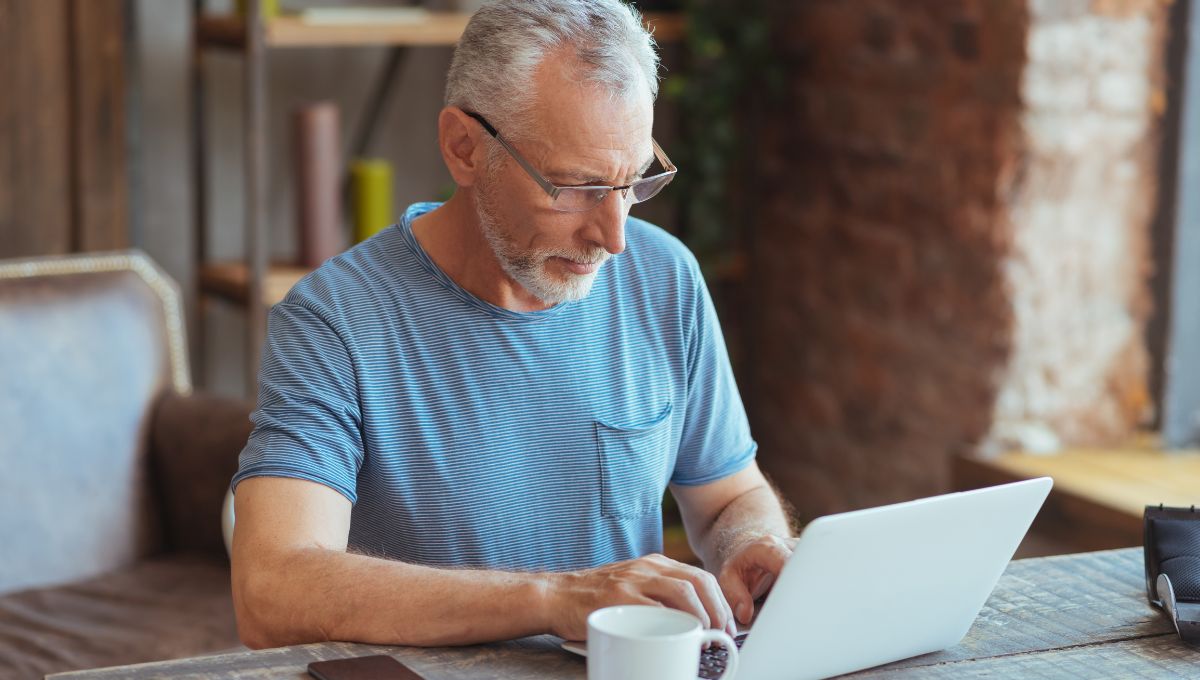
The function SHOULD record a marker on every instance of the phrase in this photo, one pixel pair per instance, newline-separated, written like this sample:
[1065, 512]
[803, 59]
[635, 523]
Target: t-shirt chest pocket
[633, 465]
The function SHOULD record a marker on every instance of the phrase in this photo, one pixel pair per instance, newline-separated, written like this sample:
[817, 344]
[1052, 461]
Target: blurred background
[952, 243]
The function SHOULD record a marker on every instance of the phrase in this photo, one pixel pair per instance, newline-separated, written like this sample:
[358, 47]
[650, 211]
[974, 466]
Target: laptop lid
[873, 586]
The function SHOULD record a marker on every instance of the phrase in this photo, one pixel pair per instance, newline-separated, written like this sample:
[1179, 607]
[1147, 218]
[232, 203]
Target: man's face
[580, 135]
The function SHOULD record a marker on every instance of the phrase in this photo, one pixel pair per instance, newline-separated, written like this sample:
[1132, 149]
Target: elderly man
[466, 424]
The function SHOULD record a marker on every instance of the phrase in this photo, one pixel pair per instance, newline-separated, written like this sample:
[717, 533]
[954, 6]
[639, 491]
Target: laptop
[873, 586]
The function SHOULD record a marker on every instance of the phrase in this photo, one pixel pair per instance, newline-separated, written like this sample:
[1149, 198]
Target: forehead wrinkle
[586, 175]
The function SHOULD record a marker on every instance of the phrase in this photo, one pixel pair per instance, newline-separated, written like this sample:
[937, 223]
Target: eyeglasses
[582, 198]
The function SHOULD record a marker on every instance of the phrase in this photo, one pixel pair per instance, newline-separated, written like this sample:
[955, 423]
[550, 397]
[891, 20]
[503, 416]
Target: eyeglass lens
[576, 199]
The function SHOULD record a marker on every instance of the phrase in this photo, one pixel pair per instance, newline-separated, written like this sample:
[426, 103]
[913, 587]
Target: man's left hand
[750, 570]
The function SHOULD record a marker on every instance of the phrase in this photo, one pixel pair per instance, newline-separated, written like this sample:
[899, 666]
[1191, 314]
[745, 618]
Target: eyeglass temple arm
[662, 157]
[544, 183]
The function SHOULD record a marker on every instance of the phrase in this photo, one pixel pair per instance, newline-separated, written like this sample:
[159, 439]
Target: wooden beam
[99, 169]
[35, 198]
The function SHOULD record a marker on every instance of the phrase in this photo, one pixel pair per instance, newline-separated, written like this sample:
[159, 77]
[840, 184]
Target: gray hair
[506, 40]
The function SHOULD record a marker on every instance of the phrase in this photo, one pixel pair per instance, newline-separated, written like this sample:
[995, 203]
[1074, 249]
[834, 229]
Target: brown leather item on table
[373, 667]
[114, 475]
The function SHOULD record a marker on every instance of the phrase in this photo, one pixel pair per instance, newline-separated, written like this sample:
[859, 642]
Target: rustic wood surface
[1070, 616]
[1099, 494]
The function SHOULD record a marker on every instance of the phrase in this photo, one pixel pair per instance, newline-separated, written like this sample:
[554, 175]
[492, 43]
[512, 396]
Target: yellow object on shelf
[371, 191]
[270, 8]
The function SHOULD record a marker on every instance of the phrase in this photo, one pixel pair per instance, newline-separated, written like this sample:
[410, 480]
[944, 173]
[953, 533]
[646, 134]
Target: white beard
[528, 268]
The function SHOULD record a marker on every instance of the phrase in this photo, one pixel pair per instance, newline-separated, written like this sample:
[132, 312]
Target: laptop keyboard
[712, 660]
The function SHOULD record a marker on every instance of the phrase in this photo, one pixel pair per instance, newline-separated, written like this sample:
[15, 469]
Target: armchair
[112, 473]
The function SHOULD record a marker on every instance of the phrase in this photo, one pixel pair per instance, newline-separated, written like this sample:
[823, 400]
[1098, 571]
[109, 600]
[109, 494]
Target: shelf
[220, 31]
[1099, 493]
[438, 28]
[230, 281]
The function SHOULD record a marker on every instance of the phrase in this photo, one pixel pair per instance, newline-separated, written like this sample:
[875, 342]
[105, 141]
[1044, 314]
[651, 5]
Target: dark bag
[1172, 550]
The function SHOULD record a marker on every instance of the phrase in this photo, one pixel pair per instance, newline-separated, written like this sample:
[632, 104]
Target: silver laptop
[873, 586]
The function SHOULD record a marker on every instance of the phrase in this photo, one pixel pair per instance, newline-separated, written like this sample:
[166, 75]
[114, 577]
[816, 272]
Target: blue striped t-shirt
[470, 435]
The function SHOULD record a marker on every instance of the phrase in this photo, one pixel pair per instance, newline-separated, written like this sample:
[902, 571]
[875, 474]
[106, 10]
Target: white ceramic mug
[645, 642]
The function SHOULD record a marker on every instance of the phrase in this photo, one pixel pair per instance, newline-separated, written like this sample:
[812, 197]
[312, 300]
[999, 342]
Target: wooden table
[1071, 616]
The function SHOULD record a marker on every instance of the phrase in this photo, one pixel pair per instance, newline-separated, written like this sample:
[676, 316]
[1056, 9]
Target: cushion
[83, 357]
[157, 609]
[196, 442]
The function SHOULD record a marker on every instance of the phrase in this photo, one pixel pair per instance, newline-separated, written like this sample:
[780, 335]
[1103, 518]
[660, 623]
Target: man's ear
[460, 138]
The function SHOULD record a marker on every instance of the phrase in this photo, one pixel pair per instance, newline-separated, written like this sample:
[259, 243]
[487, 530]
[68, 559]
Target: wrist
[730, 541]
[546, 593]
[733, 542]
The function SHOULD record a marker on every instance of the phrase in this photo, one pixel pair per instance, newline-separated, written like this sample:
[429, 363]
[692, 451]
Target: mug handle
[721, 638]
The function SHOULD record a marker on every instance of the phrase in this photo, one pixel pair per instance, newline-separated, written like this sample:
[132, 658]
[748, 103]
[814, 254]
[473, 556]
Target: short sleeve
[307, 423]
[716, 439]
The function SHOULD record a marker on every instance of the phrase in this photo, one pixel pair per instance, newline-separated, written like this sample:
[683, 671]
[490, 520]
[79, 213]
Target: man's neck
[453, 238]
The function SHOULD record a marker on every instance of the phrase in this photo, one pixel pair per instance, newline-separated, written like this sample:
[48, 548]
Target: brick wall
[951, 236]
[1079, 216]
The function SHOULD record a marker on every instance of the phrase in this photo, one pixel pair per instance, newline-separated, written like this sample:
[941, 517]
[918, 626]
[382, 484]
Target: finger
[768, 554]
[762, 585]
[719, 612]
[677, 593]
[714, 600]
[751, 571]
[737, 594]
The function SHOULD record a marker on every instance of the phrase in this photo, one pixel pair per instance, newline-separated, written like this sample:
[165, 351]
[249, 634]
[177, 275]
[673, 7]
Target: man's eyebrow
[584, 177]
[581, 175]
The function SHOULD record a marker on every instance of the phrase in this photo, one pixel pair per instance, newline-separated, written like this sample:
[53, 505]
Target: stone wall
[950, 248]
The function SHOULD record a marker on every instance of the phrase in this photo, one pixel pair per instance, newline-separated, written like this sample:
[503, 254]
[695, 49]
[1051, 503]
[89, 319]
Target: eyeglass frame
[552, 189]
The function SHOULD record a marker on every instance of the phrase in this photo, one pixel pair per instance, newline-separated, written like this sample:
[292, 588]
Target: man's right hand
[653, 579]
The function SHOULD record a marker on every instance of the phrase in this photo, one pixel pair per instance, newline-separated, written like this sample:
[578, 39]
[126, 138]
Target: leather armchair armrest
[195, 443]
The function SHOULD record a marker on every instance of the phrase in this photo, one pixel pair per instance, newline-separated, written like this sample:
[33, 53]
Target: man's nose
[606, 223]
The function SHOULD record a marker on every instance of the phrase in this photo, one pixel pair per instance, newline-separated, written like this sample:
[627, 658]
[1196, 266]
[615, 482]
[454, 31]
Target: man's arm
[294, 582]
[742, 531]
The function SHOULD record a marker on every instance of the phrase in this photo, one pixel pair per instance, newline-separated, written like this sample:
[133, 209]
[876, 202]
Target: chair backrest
[87, 342]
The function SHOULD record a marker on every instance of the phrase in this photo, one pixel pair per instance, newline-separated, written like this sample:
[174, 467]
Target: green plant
[728, 64]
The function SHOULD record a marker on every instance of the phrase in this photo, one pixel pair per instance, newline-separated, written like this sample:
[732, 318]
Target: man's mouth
[580, 268]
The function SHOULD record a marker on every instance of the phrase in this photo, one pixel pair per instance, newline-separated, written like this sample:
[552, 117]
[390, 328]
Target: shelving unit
[250, 283]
